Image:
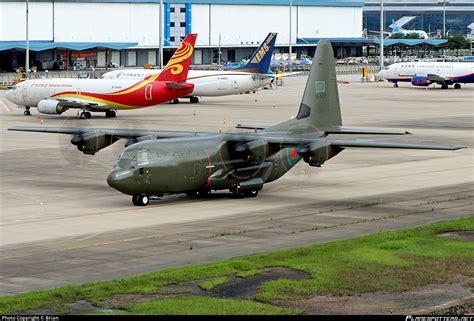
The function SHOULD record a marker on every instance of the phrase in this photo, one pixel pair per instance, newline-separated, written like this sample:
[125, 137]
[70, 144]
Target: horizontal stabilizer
[388, 144]
[349, 131]
[256, 127]
[263, 76]
[177, 85]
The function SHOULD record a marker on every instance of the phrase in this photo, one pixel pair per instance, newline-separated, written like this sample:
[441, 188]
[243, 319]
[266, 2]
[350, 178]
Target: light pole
[27, 56]
[444, 18]
[161, 34]
[290, 68]
[381, 34]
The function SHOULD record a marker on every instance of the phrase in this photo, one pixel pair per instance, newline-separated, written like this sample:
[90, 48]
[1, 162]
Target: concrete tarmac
[60, 223]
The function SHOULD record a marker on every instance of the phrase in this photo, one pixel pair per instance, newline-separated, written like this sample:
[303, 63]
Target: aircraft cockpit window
[144, 157]
[13, 88]
[128, 159]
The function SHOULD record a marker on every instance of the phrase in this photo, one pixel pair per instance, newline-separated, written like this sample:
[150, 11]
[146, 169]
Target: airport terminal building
[96, 33]
[126, 32]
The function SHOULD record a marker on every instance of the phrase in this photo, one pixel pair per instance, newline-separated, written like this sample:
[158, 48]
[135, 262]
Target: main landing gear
[174, 101]
[27, 112]
[457, 86]
[110, 113]
[444, 86]
[236, 193]
[395, 85]
[140, 200]
[194, 100]
[86, 115]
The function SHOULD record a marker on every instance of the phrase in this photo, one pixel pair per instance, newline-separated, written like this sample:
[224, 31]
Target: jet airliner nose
[9, 95]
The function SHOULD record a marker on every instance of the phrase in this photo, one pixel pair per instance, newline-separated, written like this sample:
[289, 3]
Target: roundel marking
[292, 156]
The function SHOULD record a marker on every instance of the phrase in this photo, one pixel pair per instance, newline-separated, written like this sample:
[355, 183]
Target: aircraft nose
[122, 181]
[9, 95]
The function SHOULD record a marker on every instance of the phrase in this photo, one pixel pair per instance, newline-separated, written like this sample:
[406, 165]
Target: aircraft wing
[391, 144]
[436, 78]
[119, 133]
[79, 103]
[337, 130]
[277, 139]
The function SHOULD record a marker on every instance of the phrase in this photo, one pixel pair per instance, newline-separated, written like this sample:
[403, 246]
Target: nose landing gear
[140, 200]
[27, 112]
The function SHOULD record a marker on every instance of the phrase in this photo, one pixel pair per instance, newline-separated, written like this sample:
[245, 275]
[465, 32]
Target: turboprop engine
[90, 143]
[253, 152]
[50, 106]
[315, 154]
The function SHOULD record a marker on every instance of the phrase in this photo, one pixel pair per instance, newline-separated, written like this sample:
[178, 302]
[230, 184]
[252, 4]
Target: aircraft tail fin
[320, 106]
[176, 70]
[261, 58]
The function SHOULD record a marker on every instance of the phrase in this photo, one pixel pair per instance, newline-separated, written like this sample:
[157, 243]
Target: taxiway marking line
[7, 107]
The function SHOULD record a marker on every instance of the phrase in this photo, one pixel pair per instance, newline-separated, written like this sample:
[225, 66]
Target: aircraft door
[235, 84]
[24, 93]
[148, 91]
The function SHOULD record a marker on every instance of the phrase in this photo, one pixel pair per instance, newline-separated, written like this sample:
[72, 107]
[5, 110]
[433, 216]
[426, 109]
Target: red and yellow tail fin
[177, 68]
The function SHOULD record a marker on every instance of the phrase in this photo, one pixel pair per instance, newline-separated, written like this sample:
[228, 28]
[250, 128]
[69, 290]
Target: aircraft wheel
[192, 194]
[140, 200]
[253, 193]
[27, 113]
[203, 193]
[194, 100]
[457, 86]
[444, 86]
[174, 101]
[395, 85]
[86, 115]
[110, 113]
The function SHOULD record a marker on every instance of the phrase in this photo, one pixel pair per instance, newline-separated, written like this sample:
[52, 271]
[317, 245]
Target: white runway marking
[8, 108]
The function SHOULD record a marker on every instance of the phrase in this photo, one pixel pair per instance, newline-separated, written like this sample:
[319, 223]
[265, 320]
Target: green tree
[396, 35]
[413, 35]
[457, 42]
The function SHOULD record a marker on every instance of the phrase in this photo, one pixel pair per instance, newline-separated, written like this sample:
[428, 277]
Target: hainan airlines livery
[249, 77]
[55, 96]
[426, 73]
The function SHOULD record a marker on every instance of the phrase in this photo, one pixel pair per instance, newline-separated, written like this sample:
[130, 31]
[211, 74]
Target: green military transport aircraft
[156, 163]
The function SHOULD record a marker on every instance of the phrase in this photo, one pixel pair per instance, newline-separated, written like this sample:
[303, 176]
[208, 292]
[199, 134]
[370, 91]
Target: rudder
[320, 106]
[176, 70]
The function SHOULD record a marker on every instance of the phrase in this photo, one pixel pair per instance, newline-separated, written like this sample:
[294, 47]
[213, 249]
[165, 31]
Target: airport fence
[9, 78]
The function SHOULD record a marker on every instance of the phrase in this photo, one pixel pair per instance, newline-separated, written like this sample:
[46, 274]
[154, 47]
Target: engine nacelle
[315, 154]
[50, 106]
[90, 143]
[420, 81]
[253, 152]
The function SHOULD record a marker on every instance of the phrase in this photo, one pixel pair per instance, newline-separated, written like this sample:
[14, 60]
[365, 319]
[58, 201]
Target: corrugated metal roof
[410, 42]
[386, 42]
[75, 46]
[326, 3]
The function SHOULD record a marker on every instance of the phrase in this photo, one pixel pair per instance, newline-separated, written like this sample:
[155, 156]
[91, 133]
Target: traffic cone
[225, 121]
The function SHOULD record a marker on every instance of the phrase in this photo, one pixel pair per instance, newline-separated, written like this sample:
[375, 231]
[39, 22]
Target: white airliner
[426, 73]
[247, 78]
[397, 28]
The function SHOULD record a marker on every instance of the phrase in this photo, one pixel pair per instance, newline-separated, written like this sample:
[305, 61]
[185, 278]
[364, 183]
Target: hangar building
[126, 32]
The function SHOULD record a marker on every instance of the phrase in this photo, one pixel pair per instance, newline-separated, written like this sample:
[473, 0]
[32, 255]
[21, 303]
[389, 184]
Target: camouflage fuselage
[157, 167]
